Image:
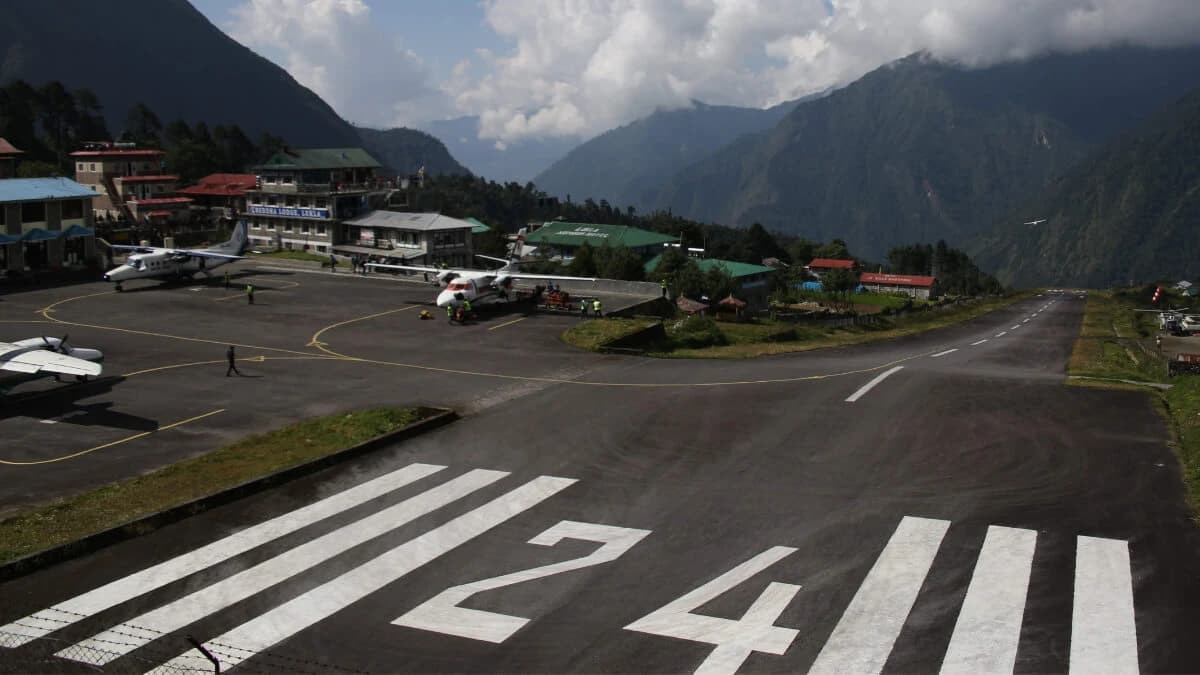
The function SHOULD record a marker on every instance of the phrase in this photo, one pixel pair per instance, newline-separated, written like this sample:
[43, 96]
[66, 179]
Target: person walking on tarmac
[450, 313]
[596, 308]
[226, 279]
[231, 358]
[583, 309]
[249, 294]
[664, 288]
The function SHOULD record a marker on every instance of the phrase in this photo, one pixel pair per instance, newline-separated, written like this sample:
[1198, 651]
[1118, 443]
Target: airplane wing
[204, 254]
[137, 249]
[552, 277]
[174, 251]
[422, 268]
[26, 360]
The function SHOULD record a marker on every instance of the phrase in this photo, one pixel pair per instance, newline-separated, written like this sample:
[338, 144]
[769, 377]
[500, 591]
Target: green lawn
[259, 455]
[297, 255]
[591, 334]
[748, 340]
[1116, 341]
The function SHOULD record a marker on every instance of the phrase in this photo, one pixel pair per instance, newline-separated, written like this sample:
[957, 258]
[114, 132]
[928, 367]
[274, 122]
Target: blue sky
[576, 68]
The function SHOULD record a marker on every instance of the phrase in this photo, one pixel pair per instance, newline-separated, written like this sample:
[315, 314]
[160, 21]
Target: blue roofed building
[45, 223]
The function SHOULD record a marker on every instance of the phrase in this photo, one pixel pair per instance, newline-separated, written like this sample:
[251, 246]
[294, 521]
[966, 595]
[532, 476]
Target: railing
[321, 188]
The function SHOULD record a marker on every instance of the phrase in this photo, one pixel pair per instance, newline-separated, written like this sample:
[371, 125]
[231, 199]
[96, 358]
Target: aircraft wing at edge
[204, 254]
[419, 268]
[36, 360]
[552, 277]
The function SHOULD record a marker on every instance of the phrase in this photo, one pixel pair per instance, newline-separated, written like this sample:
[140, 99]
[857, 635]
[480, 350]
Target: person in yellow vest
[596, 308]
[583, 309]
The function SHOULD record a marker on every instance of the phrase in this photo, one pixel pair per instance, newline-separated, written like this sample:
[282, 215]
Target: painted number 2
[442, 614]
[735, 639]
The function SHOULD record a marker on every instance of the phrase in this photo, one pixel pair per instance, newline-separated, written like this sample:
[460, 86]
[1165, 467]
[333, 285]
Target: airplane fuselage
[481, 289]
[160, 265]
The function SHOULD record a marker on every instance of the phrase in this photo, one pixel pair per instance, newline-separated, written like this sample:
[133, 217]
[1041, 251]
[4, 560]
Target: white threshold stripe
[1001, 334]
[864, 636]
[989, 625]
[46, 621]
[127, 636]
[941, 354]
[978, 342]
[299, 613]
[1103, 632]
[1024, 320]
[1015, 327]
[871, 385]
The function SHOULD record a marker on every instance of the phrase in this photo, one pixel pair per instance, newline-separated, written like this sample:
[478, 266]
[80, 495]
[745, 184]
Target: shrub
[696, 331]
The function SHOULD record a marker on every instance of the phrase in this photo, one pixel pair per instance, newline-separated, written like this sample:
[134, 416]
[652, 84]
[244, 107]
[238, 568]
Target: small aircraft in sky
[46, 357]
[480, 287]
[1036, 222]
[150, 262]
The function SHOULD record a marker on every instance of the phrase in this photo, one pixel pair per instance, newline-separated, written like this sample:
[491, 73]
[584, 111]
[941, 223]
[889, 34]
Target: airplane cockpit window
[459, 285]
[137, 264]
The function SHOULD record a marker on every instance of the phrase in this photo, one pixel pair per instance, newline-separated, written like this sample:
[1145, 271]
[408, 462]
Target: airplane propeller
[62, 344]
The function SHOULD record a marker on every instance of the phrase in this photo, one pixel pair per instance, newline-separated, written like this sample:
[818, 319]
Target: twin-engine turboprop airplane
[46, 357]
[148, 262]
[479, 287]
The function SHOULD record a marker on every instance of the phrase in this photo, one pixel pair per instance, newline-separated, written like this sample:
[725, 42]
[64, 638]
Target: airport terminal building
[302, 198]
[46, 224]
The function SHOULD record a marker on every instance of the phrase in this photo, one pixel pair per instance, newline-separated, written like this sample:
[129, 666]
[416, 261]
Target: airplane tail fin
[237, 241]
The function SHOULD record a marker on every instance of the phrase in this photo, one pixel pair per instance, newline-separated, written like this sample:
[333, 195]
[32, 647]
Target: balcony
[321, 188]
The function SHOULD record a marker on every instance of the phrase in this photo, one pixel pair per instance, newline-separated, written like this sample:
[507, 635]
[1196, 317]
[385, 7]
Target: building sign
[584, 232]
[288, 212]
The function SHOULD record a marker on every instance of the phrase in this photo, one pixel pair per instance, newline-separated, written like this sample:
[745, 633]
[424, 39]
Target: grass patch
[592, 334]
[1116, 341]
[259, 455]
[751, 340]
[297, 255]
[1183, 404]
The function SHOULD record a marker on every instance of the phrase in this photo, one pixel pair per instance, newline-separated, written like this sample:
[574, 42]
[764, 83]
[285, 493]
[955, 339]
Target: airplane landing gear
[81, 378]
[119, 289]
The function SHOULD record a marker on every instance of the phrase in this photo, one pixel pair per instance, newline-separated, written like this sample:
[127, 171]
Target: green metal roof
[733, 268]
[322, 158]
[559, 233]
[478, 226]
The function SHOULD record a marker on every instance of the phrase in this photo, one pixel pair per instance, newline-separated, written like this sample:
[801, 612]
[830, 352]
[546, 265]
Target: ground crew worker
[229, 356]
[466, 309]
[332, 263]
[249, 294]
[226, 278]
[664, 287]
[596, 308]
[1158, 341]
[583, 309]
[450, 313]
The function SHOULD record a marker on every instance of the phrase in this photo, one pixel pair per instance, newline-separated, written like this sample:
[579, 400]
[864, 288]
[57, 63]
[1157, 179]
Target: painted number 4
[735, 639]
[442, 614]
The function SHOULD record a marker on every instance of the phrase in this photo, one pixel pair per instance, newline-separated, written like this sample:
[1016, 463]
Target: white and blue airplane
[149, 262]
[35, 358]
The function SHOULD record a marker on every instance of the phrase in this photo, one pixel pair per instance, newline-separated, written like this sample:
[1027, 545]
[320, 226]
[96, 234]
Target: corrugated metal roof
[559, 233]
[322, 158]
[409, 221]
[34, 189]
[479, 227]
[7, 148]
[832, 263]
[732, 268]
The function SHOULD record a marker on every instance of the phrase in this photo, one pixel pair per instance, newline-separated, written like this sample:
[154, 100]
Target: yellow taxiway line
[316, 338]
[112, 443]
[508, 323]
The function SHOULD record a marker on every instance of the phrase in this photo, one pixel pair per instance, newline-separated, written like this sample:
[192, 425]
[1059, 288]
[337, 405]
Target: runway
[938, 502]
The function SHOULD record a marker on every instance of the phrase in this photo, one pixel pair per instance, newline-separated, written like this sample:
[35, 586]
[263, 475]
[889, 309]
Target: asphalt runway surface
[939, 502]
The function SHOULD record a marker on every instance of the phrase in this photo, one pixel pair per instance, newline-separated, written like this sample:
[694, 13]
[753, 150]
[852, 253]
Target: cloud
[336, 48]
[579, 67]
